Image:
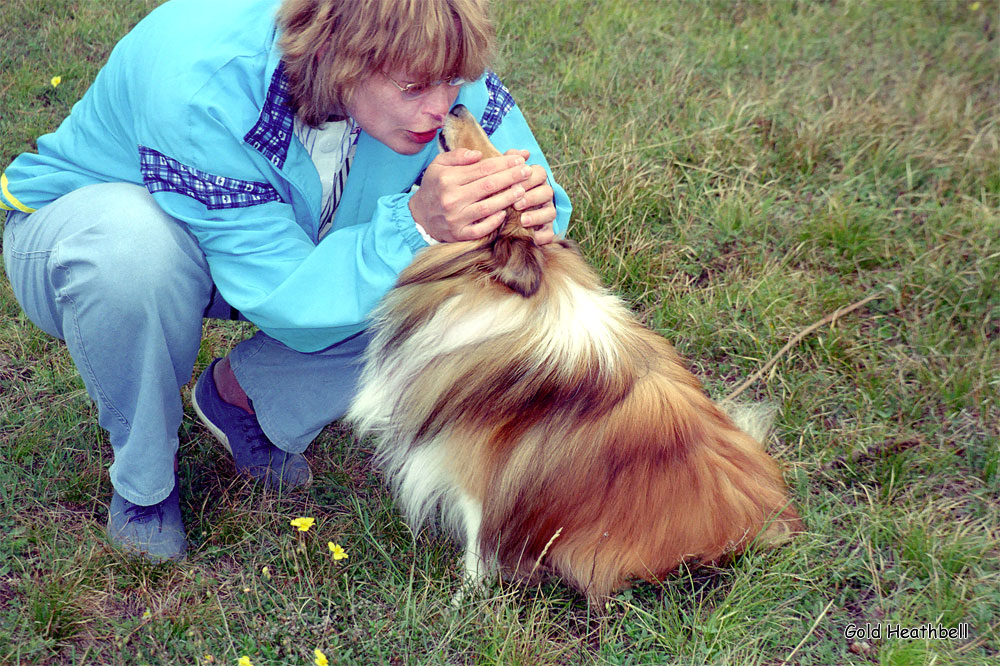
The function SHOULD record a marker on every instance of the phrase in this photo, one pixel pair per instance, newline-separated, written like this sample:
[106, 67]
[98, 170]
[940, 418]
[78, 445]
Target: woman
[276, 163]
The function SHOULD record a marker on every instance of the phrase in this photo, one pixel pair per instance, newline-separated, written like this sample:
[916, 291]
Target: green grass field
[739, 170]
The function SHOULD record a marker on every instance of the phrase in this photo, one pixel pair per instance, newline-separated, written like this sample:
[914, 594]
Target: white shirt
[331, 147]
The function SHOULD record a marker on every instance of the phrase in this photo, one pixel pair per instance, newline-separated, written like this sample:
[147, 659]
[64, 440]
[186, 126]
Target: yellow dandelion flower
[303, 524]
[244, 661]
[975, 6]
[338, 552]
[146, 614]
[320, 658]
[55, 81]
[266, 572]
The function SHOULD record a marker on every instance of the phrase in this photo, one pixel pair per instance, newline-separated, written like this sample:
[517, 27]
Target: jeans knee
[132, 265]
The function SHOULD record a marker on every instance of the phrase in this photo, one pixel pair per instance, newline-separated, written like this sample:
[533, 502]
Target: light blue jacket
[191, 104]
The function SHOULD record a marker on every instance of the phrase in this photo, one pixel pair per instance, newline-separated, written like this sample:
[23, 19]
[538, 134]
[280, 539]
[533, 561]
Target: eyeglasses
[418, 90]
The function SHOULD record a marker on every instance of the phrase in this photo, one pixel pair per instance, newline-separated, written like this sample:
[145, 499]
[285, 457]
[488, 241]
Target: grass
[739, 170]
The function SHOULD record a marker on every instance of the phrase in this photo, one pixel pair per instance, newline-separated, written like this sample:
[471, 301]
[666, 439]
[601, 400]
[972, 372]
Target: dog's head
[516, 261]
[462, 131]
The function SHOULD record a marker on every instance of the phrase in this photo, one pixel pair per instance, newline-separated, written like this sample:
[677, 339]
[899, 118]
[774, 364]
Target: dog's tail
[756, 419]
[515, 260]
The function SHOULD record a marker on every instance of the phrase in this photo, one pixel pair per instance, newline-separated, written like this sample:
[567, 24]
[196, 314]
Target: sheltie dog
[555, 434]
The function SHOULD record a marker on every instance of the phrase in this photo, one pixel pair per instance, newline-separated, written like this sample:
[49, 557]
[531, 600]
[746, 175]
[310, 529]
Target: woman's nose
[440, 100]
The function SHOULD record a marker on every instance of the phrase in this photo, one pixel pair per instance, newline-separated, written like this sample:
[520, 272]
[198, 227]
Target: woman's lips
[422, 137]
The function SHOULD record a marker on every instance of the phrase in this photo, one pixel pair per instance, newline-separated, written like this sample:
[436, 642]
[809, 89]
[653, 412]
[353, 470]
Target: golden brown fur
[510, 390]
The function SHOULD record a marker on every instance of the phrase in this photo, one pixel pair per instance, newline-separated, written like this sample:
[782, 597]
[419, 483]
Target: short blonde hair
[330, 46]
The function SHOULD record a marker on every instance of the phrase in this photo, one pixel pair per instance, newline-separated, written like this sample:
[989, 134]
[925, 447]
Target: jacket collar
[273, 131]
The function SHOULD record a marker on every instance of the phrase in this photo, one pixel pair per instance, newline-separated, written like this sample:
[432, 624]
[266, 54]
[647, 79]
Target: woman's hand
[464, 197]
[538, 211]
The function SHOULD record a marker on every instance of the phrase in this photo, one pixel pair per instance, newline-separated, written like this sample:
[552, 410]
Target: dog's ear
[515, 260]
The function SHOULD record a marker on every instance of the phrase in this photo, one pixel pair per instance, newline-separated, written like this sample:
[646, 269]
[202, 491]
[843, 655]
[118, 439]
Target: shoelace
[259, 443]
[143, 514]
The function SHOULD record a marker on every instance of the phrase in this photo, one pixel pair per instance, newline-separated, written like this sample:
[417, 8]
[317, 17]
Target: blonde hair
[330, 46]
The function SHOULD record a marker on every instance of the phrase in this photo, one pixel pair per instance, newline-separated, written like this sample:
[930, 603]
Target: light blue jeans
[126, 286]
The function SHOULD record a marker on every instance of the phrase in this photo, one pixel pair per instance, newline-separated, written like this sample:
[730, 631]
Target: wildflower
[303, 524]
[320, 659]
[266, 572]
[55, 81]
[244, 661]
[208, 659]
[338, 552]
[974, 6]
[146, 614]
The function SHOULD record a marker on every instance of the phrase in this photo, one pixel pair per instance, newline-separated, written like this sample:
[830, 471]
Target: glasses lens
[415, 90]
[418, 90]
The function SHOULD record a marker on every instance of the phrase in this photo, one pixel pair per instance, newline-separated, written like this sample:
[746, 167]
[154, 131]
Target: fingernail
[525, 172]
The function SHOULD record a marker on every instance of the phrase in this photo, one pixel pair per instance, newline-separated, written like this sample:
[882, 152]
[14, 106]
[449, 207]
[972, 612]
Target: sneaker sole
[218, 434]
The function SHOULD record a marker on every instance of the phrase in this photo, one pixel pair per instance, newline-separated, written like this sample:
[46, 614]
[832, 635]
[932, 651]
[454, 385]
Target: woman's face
[404, 125]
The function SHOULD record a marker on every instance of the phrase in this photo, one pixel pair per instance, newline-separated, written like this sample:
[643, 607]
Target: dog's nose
[458, 111]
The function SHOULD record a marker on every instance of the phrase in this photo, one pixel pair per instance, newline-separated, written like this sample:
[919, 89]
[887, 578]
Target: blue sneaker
[154, 532]
[239, 432]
